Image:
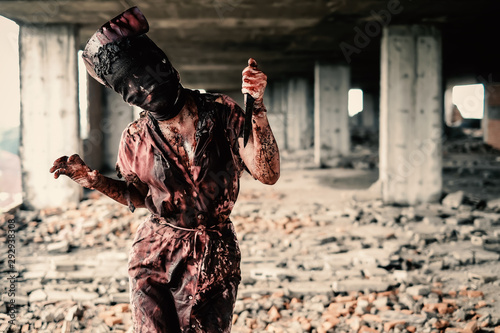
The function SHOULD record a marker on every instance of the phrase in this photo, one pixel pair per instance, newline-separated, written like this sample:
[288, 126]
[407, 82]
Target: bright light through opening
[469, 100]
[10, 164]
[9, 74]
[355, 103]
[82, 97]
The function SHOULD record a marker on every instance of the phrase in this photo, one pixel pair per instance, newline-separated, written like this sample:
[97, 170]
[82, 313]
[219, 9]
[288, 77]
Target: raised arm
[76, 169]
[261, 154]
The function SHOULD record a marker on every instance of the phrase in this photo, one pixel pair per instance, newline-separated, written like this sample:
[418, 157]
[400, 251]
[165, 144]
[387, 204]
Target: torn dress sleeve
[127, 153]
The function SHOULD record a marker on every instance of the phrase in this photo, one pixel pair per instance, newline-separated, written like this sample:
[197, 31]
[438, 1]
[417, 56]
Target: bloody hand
[76, 169]
[254, 81]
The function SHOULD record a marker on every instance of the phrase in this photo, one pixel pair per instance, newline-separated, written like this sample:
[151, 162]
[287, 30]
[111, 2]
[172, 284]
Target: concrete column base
[299, 123]
[275, 100]
[331, 117]
[117, 114]
[49, 112]
[411, 115]
[491, 121]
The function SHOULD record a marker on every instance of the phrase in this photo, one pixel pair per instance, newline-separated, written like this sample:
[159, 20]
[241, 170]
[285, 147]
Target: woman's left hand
[254, 81]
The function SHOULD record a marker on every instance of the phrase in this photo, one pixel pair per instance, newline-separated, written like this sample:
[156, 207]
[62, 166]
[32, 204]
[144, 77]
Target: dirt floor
[320, 253]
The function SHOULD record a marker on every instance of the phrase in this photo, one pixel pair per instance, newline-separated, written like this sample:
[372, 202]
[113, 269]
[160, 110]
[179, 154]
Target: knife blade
[249, 101]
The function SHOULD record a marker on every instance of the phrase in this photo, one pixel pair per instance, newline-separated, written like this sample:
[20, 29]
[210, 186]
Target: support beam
[276, 99]
[411, 115]
[299, 124]
[369, 114]
[331, 117]
[49, 112]
[93, 144]
[116, 116]
[491, 120]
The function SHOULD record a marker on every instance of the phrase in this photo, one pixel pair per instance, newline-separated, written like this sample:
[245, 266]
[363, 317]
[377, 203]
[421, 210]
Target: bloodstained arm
[131, 195]
[126, 194]
[261, 154]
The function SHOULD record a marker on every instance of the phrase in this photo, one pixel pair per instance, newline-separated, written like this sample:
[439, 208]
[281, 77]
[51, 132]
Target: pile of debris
[305, 268]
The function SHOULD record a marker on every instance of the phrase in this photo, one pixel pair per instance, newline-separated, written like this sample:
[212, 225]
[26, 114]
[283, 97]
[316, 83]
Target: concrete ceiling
[209, 41]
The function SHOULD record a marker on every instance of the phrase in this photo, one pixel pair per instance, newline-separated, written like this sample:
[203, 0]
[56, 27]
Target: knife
[249, 100]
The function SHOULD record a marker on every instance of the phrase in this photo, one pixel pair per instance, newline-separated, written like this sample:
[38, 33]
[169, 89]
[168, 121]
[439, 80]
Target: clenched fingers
[76, 159]
[59, 172]
[254, 81]
[59, 163]
[252, 62]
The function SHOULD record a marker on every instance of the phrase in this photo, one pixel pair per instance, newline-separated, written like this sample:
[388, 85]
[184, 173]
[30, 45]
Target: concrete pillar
[331, 117]
[117, 115]
[275, 100]
[411, 115]
[108, 117]
[237, 96]
[368, 115]
[448, 106]
[299, 119]
[49, 112]
[356, 122]
[93, 144]
[491, 120]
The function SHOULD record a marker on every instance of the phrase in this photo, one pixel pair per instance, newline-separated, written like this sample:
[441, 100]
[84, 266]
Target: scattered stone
[432, 220]
[37, 296]
[274, 314]
[426, 268]
[471, 327]
[391, 324]
[494, 203]
[482, 223]
[366, 329]
[54, 295]
[420, 290]
[362, 307]
[58, 247]
[359, 284]
[454, 200]
[112, 320]
[82, 296]
[381, 302]
[120, 297]
[64, 265]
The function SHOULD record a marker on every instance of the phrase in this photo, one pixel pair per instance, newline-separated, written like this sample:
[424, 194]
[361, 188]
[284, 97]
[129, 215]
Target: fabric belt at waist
[198, 231]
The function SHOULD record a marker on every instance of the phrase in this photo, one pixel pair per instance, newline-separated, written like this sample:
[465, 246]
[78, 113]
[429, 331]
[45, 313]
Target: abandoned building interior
[386, 217]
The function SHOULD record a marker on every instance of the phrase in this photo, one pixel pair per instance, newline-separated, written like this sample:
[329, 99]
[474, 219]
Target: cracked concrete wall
[49, 111]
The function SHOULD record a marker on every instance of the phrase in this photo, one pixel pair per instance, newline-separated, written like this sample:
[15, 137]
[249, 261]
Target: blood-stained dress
[184, 264]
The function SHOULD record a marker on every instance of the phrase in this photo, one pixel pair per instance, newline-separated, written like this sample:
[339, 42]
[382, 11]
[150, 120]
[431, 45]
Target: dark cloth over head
[121, 56]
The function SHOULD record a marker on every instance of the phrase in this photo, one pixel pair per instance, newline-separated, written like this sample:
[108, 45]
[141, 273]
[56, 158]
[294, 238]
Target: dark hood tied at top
[121, 56]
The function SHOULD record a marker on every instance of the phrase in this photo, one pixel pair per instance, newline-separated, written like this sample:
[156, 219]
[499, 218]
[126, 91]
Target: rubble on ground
[369, 267]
